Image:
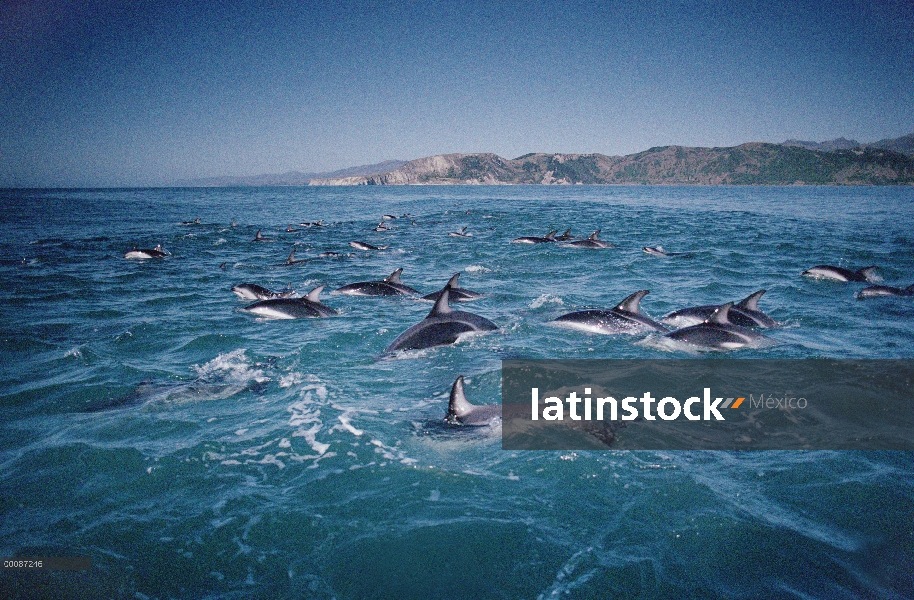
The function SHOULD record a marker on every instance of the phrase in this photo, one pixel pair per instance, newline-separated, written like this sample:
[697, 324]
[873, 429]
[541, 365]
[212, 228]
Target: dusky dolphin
[718, 333]
[457, 294]
[624, 318]
[593, 241]
[291, 261]
[877, 291]
[194, 222]
[461, 233]
[840, 273]
[144, 253]
[260, 238]
[532, 239]
[460, 412]
[290, 229]
[389, 286]
[382, 226]
[292, 308]
[252, 291]
[366, 246]
[661, 252]
[565, 236]
[745, 313]
[442, 326]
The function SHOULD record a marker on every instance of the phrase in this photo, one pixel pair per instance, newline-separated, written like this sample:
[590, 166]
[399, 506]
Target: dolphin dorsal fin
[721, 316]
[452, 282]
[750, 302]
[865, 272]
[463, 229]
[630, 304]
[291, 256]
[551, 234]
[595, 235]
[394, 277]
[315, 294]
[567, 232]
[441, 305]
[458, 406]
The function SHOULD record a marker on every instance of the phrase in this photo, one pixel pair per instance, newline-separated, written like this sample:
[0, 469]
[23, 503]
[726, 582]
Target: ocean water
[195, 451]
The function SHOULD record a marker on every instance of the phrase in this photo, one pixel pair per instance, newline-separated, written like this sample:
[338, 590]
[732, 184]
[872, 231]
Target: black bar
[47, 563]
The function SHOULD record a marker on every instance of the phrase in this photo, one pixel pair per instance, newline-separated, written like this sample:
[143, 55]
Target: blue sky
[136, 92]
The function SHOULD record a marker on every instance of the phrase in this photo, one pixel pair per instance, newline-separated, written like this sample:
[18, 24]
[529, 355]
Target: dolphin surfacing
[442, 326]
[624, 318]
[718, 333]
[292, 308]
[457, 294]
[389, 286]
[841, 274]
[745, 313]
[462, 413]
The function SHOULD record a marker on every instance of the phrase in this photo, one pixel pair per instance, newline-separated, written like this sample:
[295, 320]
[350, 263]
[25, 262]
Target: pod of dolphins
[717, 327]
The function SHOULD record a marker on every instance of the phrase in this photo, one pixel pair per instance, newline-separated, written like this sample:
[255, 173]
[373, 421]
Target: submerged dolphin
[840, 273]
[745, 314]
[144, 253]
[457, 294]
[366, 246]
[593, 241]
[565, 236]
[532, 239]
[442, 326]
[877, 291]
[259, 237]
[718, 333]
[461, 233]
[389, 286]
[624, 318]
[461, 412]
[659, 251]
[252, 291]
[292, 308]
[292, 260]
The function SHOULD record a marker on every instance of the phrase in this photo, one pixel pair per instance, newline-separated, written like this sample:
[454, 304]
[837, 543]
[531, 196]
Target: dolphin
[624, 318]
[389, 286]
[745, 313]
[840, 273]
[382, 226]
[718, 333]
[388, 217]
[877, 291]
[460, 412]
[292, 308]
[194, 222]
[457, 294]
[565, 236]
[659, 251]
[366, 246]
[291, 261]
[442, 326]
[143, 253]
[461, 233]
[532, 239]
[252, 291]
[259, 237]
[593, 241]
[290, 229]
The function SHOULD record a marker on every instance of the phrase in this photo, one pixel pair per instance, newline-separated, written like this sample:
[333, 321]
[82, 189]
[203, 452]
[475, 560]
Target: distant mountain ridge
[753, 163]
[292, 178]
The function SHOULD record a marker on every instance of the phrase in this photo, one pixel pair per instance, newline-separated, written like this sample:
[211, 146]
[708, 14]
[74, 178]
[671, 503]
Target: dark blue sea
[195, 451]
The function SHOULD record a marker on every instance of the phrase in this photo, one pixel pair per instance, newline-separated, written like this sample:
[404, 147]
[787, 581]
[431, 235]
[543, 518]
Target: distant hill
[903, 145]
[747, 164]
[829, 146]
[292, 178]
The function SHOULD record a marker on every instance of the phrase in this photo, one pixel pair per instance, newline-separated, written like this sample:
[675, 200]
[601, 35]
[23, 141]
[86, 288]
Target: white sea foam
[234, 366]
[477, 269]
[546, 298]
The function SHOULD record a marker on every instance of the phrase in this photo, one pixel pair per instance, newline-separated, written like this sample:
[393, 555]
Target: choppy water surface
[196, 451]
